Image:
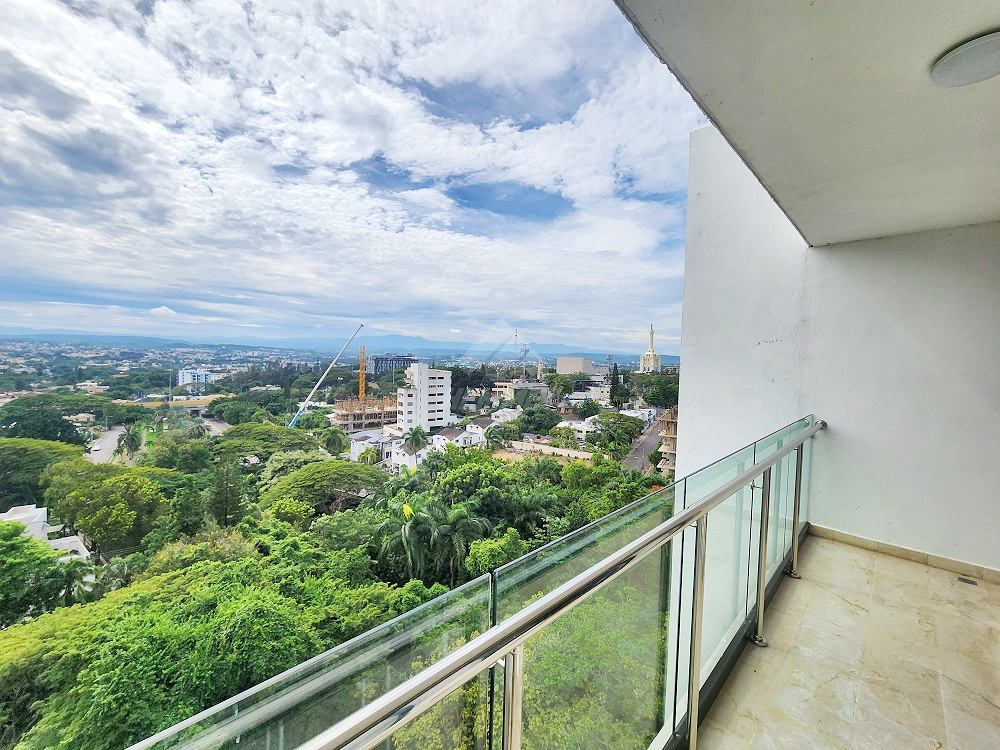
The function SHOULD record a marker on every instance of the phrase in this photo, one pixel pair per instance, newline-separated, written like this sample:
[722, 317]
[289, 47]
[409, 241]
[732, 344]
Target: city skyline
[288, 171]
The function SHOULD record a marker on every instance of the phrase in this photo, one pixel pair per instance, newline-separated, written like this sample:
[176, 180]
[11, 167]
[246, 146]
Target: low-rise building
[506, 415]
[36, 522]
[382, 442]
[507, 390]
[463, 438]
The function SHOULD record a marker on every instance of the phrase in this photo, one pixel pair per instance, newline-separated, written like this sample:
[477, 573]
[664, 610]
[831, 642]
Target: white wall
[740, 330]
[895, 342]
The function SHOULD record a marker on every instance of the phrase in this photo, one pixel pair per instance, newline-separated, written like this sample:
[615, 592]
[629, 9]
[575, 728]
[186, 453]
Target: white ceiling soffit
[830, 103]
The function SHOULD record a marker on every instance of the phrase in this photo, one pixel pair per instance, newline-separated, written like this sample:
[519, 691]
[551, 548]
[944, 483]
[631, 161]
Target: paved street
[217, 426]
[107, 444]
[638, 456]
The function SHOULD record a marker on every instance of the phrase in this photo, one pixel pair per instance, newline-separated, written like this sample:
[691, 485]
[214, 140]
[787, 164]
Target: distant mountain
[375, 344]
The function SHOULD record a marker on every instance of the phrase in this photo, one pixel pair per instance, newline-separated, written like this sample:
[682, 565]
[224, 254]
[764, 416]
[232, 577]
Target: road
[217, 426]
[107, 443]
[638, 456]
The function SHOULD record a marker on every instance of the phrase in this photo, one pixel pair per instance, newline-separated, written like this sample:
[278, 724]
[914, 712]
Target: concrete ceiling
[830, 104]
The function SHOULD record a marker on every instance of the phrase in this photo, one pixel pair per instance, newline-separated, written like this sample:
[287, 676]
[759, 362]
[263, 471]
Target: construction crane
[361, 374]
[323, 377]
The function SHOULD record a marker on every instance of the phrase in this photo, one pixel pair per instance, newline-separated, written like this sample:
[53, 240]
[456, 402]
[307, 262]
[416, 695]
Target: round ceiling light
[970, 62]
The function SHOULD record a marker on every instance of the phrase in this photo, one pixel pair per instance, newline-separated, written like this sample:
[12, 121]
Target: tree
[121, 510]
[564, 437]
[500, 435]
[530, 508]
[489, 554]
[587, 408]
[226, 496]
[619, 391]
[538, 419]
[41, 423]
[29, 584]
[335, 441]
[349, 529]
[262, 439]
[293, 511]
[130, 441]
[406, 533]
[72, 577]
[369, 456]
[415, 438]
[23, 462]
[453, 528]
[328, 485]
[284, 463]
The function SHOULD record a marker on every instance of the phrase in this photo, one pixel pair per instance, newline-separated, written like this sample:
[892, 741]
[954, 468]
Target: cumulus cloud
[430, 168]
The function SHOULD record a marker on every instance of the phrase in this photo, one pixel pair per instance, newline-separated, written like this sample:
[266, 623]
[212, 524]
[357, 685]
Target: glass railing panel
[806, 476]
[594, 677]
[303, 702]
[727, 574]
[548, 567]
[680, 552]
[459, 721]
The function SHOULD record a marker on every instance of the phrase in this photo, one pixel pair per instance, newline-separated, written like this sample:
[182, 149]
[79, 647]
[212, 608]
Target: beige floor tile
[819, 692]
[973, 723]
[782, 731]
[712, 737]
[905, 693]
[820, 638]
[740, 707]
[792, 597]
[868, 651]
[874, 731]
[969, 653]
[895, 633]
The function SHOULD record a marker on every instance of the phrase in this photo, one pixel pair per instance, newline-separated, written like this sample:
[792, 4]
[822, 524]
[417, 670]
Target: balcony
[868, 650]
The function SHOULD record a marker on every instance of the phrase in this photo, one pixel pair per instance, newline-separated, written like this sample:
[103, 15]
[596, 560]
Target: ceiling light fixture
[970, 62]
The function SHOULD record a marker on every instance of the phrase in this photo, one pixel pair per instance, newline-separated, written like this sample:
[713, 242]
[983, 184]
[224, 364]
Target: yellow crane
[361, 374]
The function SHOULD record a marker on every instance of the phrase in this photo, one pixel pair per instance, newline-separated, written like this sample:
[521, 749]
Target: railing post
[758, 638]
[698, 607]
[793, 572]
[513, 695]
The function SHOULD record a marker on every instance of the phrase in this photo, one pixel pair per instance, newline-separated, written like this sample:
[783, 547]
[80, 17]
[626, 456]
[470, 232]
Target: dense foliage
[22, 462]
[235, 557]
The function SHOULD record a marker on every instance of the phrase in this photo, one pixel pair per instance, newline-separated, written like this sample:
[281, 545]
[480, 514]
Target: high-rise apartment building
[425, 400]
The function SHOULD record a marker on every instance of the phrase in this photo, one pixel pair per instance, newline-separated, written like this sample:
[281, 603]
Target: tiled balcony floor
[867, 651]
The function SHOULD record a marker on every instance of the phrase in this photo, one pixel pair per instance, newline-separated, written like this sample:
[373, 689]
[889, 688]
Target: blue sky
[288, 169]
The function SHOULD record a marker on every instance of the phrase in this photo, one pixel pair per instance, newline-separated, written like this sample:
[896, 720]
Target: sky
[266, 170]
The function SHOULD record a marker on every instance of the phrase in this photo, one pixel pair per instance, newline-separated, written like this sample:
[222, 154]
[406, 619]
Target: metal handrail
[380, 719]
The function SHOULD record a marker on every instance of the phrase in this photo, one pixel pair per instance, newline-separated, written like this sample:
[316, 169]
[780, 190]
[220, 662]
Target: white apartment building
[425, 400]
[186, 377]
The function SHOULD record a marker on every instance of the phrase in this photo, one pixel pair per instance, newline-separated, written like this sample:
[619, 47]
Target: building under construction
[353, 415]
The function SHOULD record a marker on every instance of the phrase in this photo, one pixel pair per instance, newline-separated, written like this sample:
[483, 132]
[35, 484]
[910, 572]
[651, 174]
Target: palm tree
[72, 575]
[530, 508]
[495, 438]
[369, 456]
[415, 438]
[406, 532]
[453, 528]
[198, 430]
[129, 441]
[110, 577]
